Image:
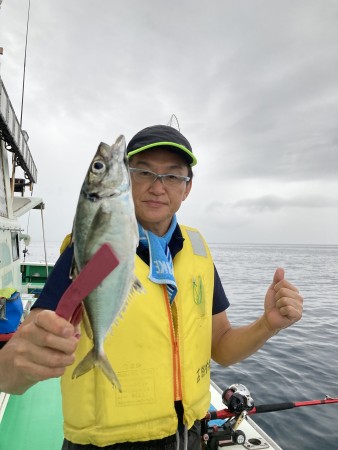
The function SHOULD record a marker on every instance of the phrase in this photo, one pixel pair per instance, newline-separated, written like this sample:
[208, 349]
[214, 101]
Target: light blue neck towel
[161, 269]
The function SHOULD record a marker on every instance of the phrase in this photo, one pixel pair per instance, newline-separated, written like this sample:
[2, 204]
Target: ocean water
[301, 362]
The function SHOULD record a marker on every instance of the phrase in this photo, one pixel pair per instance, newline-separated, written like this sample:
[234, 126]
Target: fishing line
[22, 97]
[24, 63]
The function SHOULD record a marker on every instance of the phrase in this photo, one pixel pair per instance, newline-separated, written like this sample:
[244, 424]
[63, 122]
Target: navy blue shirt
[60, 278]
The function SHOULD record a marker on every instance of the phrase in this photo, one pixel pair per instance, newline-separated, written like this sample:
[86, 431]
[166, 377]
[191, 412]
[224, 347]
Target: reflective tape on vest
[197, 243]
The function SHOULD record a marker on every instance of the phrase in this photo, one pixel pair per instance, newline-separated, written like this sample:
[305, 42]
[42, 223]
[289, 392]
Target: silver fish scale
[105, 214]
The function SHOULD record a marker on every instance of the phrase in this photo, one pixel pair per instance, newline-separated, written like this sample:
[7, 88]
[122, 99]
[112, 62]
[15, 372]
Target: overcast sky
[253, 83]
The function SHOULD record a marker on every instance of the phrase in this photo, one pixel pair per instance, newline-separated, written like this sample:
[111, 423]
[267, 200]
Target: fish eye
[98, 166]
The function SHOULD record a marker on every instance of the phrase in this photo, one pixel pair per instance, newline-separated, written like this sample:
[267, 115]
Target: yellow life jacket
[160, 353]
[66, 242]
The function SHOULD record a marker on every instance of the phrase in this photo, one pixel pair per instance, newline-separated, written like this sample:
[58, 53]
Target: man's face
[155, 203]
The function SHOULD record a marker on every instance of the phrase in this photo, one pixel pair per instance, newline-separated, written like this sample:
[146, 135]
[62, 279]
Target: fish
[105, 213]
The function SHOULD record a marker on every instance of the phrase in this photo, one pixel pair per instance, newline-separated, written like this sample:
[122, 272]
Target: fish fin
[92, 360]
[73, 271]
[86, 324]
[137, 286]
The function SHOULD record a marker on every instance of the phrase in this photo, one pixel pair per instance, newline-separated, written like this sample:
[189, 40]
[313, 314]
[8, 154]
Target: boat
[14, 203]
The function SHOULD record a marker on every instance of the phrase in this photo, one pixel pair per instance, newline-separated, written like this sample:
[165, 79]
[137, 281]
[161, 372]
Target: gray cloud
[273, 203]
[254, 85]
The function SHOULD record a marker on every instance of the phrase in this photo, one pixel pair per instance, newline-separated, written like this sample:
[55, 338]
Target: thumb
[278, 276]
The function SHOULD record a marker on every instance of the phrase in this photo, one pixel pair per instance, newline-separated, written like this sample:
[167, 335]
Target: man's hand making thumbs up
[283, 307]
[283, 303]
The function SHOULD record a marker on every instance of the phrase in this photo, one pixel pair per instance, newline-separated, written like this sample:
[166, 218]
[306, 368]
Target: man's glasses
[147, 176]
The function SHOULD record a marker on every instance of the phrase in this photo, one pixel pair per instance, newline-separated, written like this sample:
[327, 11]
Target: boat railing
[14, 136]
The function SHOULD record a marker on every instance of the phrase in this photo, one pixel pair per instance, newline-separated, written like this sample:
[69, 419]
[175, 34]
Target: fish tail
[91, 360]
[107, 369]
[85, 365]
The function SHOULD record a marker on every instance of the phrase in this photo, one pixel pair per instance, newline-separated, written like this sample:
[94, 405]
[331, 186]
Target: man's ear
[187, 190]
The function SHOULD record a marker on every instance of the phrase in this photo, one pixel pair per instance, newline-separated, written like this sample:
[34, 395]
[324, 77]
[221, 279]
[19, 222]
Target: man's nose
[157, 185]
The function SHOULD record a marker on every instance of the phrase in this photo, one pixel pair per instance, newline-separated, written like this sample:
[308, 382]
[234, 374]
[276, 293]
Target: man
[164, 343]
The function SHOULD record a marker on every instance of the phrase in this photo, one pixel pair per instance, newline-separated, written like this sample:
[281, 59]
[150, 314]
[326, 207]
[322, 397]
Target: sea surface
[301, 362]
[298, 364]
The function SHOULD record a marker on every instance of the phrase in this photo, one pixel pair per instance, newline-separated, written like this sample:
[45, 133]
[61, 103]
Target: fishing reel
[238, 401]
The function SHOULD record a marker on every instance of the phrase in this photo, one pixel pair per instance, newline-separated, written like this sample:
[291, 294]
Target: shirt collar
[175, 245]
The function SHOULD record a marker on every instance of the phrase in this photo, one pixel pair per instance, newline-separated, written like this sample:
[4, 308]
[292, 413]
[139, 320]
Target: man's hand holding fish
[43, 347]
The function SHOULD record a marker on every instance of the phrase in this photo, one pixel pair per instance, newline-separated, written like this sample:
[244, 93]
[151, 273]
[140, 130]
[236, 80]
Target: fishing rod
[237, 399]
[270, 407]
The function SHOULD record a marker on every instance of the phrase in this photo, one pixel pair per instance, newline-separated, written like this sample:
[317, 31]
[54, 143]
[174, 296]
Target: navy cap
[162, 136]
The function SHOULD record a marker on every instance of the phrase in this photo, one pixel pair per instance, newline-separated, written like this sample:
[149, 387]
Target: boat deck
[33, 421]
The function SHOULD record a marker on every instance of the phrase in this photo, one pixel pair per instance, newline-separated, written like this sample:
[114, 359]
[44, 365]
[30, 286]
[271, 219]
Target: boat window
[15, 246]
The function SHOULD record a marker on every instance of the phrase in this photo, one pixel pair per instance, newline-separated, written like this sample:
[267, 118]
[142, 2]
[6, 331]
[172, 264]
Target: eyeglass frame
[161, 177]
